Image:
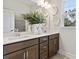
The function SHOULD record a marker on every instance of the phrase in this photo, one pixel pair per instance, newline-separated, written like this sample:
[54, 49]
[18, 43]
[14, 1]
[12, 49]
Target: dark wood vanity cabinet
[56, 42]
[22, 50]
[41, 48]
[32, 52]
[28, 53]
[53, 44]
[51, 48]
[15, 55]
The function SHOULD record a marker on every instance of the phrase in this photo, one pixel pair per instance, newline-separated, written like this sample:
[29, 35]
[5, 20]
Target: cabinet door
[16, 55]
[51, 48]
[32, 52]
[56, 44]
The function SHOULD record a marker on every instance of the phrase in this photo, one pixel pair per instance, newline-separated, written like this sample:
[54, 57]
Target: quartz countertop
[25, 37]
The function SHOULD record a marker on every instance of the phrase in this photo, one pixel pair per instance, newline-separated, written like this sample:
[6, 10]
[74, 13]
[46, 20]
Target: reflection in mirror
[19, 24]
[13, 20]
[8, 20]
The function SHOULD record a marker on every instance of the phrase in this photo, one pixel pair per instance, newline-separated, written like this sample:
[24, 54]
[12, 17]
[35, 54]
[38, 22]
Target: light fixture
[44, 4]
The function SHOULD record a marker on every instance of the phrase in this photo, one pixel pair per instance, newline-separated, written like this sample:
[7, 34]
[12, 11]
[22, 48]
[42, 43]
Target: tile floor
[58, 56]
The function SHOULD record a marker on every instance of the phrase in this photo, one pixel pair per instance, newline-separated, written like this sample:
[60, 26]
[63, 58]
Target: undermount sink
[12, 38]
[18, 36]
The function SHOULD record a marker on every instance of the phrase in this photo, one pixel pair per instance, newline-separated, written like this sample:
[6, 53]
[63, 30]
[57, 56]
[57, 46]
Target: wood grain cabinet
[16, 55]
[51, 48]
[22, 50]
[40, 48]
[43, 47]
[32, 52]
[53, 44]
[28, 53]
[56, 44]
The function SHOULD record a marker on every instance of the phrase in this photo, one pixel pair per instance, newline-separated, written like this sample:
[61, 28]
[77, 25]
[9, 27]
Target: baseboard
[61, 52]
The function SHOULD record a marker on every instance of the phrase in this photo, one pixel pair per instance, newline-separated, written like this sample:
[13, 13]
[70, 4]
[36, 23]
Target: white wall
[16, 6]
[68, 42]
[8, 21]
[67, 34]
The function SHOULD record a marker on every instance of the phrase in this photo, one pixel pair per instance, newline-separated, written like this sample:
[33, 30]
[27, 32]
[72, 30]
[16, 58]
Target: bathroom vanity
[36, 47]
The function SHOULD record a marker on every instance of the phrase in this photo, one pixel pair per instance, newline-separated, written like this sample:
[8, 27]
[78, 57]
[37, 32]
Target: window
[70, 13]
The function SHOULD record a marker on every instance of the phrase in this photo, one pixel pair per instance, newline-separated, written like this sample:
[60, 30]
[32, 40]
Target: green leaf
[34, 17]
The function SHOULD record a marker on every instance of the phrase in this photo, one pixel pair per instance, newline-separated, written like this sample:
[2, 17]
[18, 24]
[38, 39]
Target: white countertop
[25, 37]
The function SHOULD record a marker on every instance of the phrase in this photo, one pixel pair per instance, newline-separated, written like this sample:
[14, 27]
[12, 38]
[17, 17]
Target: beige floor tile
[58, 56]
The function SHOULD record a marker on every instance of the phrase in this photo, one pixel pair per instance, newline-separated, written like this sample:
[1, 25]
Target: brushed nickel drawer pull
[24, 55]
[27, 55]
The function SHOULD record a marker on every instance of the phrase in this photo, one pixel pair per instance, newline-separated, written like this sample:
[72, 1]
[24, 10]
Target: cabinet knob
[44, 47]
[44, 39]
[45, 56]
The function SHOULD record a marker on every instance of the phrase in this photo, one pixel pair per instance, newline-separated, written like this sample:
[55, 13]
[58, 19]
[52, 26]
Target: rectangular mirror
[12, 18]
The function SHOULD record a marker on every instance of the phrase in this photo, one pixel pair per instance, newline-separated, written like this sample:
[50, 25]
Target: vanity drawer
[54, 36]
[44, 43]
[44, 56]
[44, 47]
[16, 55]
[43, 39]
[19, 45]
[31, 42]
